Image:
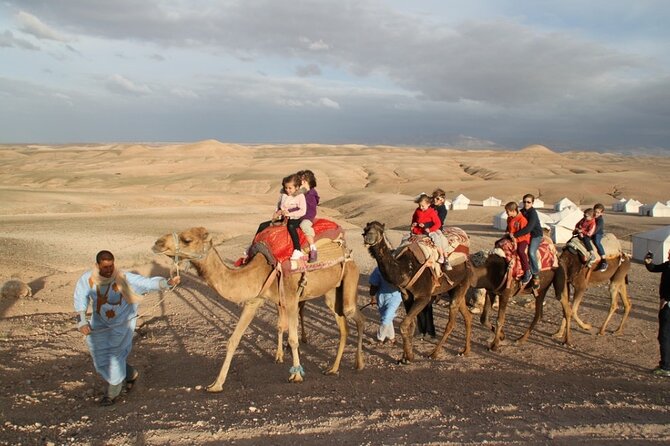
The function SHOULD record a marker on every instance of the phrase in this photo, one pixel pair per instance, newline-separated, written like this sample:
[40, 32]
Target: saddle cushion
[275, 242]
[611, 245]
[546, 254]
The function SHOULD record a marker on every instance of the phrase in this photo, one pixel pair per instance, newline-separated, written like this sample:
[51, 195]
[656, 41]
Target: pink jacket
[295, 205]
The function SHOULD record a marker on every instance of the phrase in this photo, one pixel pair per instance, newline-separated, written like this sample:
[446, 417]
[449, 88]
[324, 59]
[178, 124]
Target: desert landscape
[61, 204]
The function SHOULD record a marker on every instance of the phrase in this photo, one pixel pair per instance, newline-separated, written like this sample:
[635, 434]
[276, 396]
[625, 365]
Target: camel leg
[301, 314]
[615, 290]
[539, 300]
[457, 304]
[248, 313]
[567, 313]
[279, 355]
[296, 372]
[484, 318]
[502, 308]
[343, 330]
[579, 294]
[407, 327]
[348, 295]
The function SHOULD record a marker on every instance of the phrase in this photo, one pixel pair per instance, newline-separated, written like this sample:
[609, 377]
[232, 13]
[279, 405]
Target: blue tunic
[388, 297]
[112, 323]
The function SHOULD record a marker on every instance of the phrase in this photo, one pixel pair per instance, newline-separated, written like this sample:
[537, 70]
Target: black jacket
[534, 228]
[664, 269]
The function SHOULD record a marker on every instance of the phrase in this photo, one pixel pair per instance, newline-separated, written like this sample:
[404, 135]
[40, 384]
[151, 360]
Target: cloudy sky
[571, 74]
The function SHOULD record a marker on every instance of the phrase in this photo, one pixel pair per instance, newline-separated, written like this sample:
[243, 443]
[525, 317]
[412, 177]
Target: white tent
[655, 210]
[492, 201]
[617, 206]
[632, 206]
[667, 203]
[538, 203]
[564, 203]
[460, 202]
[561, 229]
[657, 242]
[500, 221]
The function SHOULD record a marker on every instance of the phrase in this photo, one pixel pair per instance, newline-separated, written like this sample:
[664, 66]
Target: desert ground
[61, 204]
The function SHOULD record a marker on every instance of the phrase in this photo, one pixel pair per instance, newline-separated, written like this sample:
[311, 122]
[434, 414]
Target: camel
[581, 277]
[492, 276]
[257, 282]
[419, 292]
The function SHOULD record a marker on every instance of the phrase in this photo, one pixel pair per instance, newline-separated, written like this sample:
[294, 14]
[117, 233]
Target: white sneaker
[296, 255]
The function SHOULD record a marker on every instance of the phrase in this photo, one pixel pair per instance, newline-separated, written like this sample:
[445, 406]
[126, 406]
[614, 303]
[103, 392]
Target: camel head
[191, 244]
[373, 234]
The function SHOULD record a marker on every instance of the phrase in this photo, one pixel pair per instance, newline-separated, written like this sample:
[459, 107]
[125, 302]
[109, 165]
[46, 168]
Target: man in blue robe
[114, 296]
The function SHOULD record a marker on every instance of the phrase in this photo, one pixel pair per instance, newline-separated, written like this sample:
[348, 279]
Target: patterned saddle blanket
[546, 254]
[275, 243]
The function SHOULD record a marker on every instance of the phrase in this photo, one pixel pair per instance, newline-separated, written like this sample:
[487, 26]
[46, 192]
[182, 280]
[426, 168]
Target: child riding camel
[308, 188]
[425, 221]
[516, 222]
[585, 229]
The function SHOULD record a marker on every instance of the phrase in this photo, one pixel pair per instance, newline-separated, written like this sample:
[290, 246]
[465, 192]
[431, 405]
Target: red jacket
[427, 216]
[515, 224]
[585, 227]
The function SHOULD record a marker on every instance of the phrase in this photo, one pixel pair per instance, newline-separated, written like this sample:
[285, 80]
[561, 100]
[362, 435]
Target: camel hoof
[331, 372]
[403, 361]
[464, 352]
[494, 348]
[436, 354]
[213, 388]
[295, 378]
[279, 360]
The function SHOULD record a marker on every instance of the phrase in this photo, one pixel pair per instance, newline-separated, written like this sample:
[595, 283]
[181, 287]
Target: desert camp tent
[460, 202]
[632, 206]
[492, 201]
[617, 206]
[655, 210]
[500, 221]
[561, 230]
[564, 203]
[656, 241]
[667, 203]
[538, 203]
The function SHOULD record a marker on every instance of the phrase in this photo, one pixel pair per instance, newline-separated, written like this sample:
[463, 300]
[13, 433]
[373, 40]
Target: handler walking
[114, 296]
[663, 368]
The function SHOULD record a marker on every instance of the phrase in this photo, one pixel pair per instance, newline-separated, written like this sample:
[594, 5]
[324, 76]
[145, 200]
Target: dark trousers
[425, 322]
[522, 251]
[292, 226]
[664, 336]
[587, 243]
[598, 241]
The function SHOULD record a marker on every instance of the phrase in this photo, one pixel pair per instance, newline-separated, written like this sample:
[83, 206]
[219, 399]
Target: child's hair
[423, 197]
[512, 206]
[308, 176]
[599, 207]
[588, 212]
[439, 193]
[293, 179]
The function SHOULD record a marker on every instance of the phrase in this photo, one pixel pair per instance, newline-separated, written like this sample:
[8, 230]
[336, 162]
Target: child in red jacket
[585, 229]
[516, 222]
[426, 221]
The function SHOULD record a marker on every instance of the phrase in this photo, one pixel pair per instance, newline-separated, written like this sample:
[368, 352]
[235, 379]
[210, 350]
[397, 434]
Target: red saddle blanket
[276, 241]
[546, 253]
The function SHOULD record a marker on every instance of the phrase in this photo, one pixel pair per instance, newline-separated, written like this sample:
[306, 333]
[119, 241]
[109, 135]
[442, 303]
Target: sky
[569, 74]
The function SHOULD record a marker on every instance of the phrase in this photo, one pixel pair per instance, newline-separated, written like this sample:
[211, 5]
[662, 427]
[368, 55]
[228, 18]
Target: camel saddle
[546, 253]
[275, 244]
[611, 244]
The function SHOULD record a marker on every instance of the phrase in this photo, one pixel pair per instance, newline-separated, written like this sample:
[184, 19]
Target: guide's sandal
[131, 382]
[106, 401]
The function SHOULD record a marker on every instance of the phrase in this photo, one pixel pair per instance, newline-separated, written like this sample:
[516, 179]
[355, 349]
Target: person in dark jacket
[534, 228]
[663, 368]
[598, 211]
